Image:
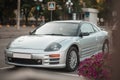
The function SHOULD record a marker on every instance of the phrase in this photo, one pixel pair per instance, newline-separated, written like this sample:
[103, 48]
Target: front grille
[54, 61]
[25, 61]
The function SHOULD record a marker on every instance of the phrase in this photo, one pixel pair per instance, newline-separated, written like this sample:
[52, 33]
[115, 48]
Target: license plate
[18, 55]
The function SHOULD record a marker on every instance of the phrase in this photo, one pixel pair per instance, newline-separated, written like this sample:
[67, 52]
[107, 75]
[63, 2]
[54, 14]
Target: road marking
[3, 68]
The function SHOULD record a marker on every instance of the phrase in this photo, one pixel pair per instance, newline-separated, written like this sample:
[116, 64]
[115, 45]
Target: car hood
[36, 42]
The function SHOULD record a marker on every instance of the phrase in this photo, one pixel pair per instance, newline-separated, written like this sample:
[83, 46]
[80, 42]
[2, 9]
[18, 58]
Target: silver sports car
[57, 44]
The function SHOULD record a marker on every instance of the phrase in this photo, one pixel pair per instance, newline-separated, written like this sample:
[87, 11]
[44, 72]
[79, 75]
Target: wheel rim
[73, 59]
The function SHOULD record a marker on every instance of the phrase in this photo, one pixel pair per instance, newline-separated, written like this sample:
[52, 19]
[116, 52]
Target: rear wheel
[105, 48]
[72, 59]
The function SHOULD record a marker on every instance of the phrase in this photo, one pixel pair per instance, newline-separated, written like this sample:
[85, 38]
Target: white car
[57, 44]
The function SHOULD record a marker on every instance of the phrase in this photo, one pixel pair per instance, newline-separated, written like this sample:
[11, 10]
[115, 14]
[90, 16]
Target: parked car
[57, 44]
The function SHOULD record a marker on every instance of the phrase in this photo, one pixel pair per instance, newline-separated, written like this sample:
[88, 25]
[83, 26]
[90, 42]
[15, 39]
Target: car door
[87, 42]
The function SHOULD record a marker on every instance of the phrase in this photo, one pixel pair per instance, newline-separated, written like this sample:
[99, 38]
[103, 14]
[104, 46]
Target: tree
[57, 13]
[116, 41]
[7, 8]
[26, 6]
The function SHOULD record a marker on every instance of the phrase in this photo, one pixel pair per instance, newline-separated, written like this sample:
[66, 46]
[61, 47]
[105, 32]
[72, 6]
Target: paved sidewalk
[13, 32]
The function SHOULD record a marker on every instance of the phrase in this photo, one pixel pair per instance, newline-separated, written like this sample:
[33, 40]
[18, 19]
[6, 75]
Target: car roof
[70, 21]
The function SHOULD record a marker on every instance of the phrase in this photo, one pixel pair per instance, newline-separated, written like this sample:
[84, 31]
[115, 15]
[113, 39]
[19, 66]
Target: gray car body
[36, 44]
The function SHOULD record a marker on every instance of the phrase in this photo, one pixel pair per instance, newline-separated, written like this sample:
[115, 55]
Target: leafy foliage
[27, 5]
[94, 68]
[7, 8]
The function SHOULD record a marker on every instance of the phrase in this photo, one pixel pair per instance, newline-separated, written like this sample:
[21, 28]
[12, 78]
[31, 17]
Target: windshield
[58, 28]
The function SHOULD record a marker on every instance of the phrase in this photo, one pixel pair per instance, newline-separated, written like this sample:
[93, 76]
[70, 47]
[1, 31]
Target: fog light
[54, 55]
[39, 61]
[9, 59]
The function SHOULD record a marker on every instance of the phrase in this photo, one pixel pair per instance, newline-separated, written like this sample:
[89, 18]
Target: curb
[8, 26]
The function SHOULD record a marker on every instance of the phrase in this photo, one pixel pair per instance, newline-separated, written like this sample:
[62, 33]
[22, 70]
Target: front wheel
[72, 59]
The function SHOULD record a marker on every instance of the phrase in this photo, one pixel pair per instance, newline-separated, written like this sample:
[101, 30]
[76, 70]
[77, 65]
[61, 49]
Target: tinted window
[58, 28]
[87, 28]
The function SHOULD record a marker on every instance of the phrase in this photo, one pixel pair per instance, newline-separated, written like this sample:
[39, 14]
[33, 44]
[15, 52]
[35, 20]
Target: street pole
[18, 15]
[69, 5]
[51, 15]
[51, 7]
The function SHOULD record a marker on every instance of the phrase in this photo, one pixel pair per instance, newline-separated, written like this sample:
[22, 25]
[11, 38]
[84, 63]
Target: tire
[105, 48]
[72, 59]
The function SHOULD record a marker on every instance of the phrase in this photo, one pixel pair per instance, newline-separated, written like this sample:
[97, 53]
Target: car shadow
[17, 68]
[31, 73]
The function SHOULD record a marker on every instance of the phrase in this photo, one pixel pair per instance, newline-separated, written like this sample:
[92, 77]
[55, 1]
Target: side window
[87, 28]
[95, 28]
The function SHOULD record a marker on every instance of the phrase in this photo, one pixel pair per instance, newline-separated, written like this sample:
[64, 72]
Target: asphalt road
[9, 72]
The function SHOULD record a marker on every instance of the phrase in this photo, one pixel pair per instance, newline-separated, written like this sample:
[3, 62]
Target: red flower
[94, 67]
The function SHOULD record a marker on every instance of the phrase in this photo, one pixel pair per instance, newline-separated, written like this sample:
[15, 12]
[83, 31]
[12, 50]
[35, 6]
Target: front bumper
[42, 66]
[38, 59]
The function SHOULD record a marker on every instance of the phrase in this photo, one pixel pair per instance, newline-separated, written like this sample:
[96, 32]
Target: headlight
[53, 47]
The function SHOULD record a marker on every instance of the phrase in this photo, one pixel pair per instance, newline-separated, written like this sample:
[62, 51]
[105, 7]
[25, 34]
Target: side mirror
[102, 29]
[31, 32]
[84, 34]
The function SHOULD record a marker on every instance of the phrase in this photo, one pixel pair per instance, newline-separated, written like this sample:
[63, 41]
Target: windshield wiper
[55, 34]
